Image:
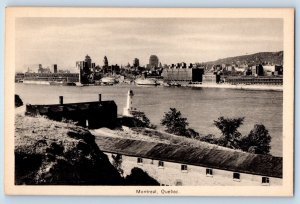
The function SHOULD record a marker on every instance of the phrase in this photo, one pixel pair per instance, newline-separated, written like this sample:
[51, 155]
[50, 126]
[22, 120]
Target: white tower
[128, 108]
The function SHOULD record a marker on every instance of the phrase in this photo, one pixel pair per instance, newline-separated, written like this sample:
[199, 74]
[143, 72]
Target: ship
[57, 79]
[108, 81]
[62, 83]
[173, 83]
[148, 81]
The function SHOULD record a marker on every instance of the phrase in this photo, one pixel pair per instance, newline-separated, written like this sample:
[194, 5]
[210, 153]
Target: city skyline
[64, 41]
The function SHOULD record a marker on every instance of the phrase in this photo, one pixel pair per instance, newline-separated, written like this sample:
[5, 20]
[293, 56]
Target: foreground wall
[171, 174]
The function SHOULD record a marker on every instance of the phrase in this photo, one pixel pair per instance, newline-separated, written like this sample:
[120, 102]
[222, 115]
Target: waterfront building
[259, 70]
[115, 69]
[264, 80]
[66, 71]
[248, 71]
[204, 165]
[209, 78]
[278, 70]
[229, 68]
[254, 70]
[43, 70]
[243, 66]
[239, 69]
[217, 67]
[180, 74]
[271, 70]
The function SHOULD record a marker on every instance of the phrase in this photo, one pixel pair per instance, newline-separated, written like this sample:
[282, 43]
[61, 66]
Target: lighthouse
[128, 108]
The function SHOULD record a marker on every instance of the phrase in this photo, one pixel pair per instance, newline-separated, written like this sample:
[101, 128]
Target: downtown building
[86, 70]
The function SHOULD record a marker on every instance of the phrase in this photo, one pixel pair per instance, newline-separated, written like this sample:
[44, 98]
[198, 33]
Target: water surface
[201, 106]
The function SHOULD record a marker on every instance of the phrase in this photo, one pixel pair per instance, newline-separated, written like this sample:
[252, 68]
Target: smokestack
[55, 68]
[61, 100]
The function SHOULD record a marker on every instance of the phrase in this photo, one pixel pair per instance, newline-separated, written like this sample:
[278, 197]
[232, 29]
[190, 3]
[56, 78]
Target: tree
[228, 127]
[176, 124]
[117, 163]
[258, 140]
[142, 120]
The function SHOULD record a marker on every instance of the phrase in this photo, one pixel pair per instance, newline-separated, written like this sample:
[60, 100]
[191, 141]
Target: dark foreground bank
[55, 153]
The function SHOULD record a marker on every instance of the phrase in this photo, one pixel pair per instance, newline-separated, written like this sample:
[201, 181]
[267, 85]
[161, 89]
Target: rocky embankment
[49, 152]
[18, 101]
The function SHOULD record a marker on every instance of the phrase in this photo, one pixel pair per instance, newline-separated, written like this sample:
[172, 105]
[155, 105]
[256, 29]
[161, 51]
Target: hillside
[257, 58]
[55, 153]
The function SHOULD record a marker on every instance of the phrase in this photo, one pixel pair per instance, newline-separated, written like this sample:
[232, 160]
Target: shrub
[138, 177]
[117, 163]
[210, 138]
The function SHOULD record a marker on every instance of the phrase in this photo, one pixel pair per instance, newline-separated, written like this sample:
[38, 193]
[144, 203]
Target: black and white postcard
[149, 102]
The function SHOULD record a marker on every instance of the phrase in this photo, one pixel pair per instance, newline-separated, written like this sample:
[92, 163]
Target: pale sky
[64, 41]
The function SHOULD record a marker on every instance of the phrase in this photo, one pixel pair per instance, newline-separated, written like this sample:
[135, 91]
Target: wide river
[201, 106]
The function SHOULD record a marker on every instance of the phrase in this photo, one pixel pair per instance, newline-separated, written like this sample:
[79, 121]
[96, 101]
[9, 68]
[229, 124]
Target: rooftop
[205, 155]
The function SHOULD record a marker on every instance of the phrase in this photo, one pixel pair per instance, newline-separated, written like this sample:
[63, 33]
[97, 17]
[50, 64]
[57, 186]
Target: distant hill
[257, 58]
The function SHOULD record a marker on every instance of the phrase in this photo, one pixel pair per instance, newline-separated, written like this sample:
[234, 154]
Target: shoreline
[223, 86]
[241, 87]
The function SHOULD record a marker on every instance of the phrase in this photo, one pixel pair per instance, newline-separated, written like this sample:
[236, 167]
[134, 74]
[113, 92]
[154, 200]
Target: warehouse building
[194, 166]
[190, 75]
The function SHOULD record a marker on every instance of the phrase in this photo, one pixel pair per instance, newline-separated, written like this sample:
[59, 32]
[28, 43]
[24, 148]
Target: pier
[255, 80]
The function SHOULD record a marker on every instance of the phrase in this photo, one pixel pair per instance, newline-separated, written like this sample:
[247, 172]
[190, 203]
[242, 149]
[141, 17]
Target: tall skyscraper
[54, 68]
[153, 61]
[87, 70]
[105, 61]
[88, 61]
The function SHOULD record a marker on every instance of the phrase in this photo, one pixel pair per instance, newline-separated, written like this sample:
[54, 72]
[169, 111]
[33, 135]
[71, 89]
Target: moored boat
[148, 81]
[108, 81]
